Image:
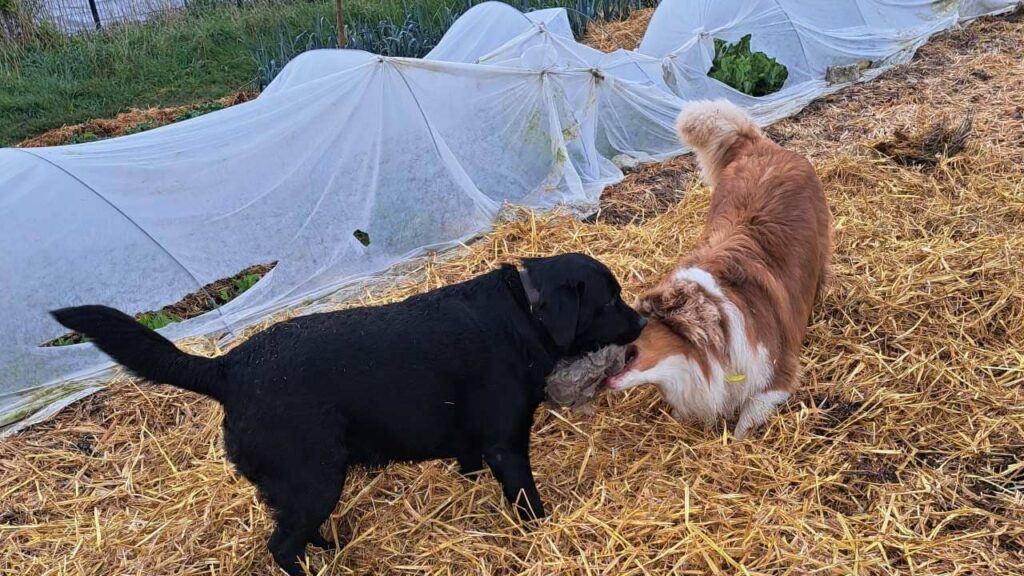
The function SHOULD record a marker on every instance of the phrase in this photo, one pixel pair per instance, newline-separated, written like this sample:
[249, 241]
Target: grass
[213, 49]
[200, 54]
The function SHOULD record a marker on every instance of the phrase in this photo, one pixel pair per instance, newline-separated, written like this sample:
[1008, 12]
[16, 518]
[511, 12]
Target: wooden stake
[341, 22]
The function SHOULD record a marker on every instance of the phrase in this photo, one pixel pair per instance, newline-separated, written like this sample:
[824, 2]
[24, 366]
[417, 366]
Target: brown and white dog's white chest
[745, 371]
[705, 387]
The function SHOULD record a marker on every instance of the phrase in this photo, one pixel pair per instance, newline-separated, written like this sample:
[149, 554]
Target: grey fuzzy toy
[576, 381]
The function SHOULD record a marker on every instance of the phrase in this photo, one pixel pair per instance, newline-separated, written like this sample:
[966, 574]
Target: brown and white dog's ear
[686, 309]
[653, 304]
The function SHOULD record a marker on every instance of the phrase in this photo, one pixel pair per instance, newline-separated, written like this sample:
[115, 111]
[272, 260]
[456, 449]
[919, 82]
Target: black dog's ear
[559, 312]
[558, 303]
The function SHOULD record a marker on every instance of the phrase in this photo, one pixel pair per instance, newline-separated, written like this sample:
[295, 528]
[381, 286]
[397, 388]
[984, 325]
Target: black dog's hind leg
[304, 502]
[471, 462]
[471, 466]
[511, 466]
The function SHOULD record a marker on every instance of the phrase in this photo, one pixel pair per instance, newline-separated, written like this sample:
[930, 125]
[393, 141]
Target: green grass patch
[199, 54]
[753, 73]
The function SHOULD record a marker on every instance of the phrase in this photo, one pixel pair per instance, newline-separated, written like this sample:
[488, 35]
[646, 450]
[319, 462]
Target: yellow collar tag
[736, 378]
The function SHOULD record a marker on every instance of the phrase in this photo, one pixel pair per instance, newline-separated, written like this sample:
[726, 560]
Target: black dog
[456, 372]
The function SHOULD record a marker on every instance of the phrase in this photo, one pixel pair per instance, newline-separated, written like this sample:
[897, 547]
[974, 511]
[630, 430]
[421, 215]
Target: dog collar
[532, 294]
[736, 378]
[547, 343]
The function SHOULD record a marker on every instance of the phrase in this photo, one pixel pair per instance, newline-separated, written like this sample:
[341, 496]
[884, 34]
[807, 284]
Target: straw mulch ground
[902, 454]
[611, 35]
[135, 120]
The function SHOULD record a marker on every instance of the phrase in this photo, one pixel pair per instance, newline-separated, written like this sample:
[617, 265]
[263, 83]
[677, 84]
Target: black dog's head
[578, 301]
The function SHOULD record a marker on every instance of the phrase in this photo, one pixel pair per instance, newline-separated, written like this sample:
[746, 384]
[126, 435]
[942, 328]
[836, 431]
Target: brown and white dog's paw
[678, 416]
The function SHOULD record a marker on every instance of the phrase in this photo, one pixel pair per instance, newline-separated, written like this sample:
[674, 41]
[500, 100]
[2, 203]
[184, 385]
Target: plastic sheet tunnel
[414, 154]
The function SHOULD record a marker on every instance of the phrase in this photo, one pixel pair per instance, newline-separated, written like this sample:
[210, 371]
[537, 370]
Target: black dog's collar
[528, 296]
[532, 294]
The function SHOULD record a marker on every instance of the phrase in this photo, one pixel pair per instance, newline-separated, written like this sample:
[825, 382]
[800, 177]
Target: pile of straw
[901, 454]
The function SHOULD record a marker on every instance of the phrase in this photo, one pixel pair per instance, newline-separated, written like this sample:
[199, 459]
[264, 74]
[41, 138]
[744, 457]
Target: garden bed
[209, 297]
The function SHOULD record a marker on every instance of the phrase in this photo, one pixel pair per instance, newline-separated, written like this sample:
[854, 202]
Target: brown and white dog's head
[682, 343]
[654, 358]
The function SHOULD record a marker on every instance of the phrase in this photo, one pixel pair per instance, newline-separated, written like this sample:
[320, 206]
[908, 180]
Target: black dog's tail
[143, 351]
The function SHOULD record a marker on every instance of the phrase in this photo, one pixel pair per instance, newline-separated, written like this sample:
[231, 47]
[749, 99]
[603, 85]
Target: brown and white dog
[727, 324]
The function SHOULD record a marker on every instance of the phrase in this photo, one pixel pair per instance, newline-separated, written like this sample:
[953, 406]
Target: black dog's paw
[530, 516]
[290, 566]
[322, 543]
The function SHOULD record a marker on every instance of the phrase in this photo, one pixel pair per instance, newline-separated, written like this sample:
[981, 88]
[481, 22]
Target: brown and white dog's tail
[712, 128]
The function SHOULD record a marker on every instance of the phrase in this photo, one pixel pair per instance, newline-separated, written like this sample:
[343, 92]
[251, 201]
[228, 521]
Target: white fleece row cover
[416, 153]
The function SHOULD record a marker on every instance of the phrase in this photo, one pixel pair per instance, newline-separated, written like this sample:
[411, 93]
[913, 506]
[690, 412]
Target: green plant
[753, 73]
[140, 127]
[245, 282]
[69, 339]
[199, 110]
[190, 306]
[151, 320]
[238, 285]
[411, 28]
[156, 320]
[83, 137]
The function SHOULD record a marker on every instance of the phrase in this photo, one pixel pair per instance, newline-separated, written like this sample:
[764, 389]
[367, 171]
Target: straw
[134, 120]
[610, 35]
[901, 454]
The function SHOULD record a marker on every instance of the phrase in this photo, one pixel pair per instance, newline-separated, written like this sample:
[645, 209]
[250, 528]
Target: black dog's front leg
[512, 470]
